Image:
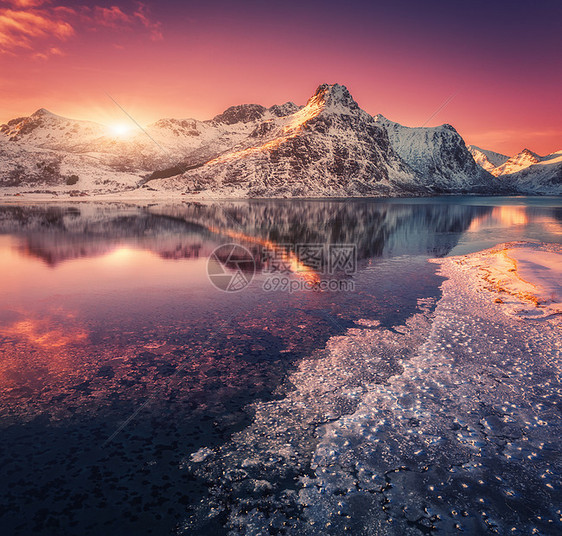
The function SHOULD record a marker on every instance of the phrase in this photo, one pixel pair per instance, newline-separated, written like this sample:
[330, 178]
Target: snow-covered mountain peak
[43, 112]
[526, 171]
[518, 162]
[46, 129]
[334, 97]
[532, 173]
[328, 147]
[438, 154]
[282, 110]
[529, 154]
[525, 157]
[242, 113]
[488, 160]
[379, 118]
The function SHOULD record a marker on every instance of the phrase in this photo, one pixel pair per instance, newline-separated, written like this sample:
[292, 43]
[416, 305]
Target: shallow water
[119, 358]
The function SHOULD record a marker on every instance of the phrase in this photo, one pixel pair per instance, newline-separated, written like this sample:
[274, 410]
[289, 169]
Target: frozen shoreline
[525, 277]
[139, 197]
[446, 423]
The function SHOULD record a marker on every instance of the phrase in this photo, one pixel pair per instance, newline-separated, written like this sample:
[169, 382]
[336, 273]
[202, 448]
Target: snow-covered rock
[489, 160]
[516, 163]
[50, 131]
[439, 156]
[34, 149]
[330, 147]
[541, 177]
[526, 172]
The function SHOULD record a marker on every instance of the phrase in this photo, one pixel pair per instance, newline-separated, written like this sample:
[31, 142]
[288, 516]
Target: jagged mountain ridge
[488, 160]
[330, 147]
[543, 176]
[516, 163]
[246, 113]
[109, 163]
[439, 156]
[48, 130]
[526, 172]
[174, 138]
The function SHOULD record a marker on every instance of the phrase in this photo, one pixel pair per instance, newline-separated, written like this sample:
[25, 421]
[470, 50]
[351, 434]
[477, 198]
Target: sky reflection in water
[102, 305]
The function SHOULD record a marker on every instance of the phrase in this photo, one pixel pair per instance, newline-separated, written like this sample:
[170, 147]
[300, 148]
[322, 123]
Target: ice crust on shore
[526, 276]
[447, 423]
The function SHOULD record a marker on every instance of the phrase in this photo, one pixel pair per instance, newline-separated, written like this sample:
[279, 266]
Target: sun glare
[120, 130]
[120, 255]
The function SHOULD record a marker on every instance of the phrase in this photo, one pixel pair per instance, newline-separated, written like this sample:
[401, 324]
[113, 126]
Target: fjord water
[119, 358]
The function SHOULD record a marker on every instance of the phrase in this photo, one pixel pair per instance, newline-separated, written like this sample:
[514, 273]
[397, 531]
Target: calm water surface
[118, 357]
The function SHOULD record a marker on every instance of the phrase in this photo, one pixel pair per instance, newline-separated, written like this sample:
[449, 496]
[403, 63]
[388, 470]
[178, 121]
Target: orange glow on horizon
[187, 61]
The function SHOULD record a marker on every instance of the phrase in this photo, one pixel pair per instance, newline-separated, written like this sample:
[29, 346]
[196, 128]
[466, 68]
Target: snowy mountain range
[439, 157]
[328, 148]
[525, 172]
[489, 160]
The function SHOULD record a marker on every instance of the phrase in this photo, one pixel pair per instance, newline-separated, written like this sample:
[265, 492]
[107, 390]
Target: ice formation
[446, 423]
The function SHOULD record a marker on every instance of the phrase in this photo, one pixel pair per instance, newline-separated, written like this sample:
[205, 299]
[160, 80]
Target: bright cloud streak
[34, 24]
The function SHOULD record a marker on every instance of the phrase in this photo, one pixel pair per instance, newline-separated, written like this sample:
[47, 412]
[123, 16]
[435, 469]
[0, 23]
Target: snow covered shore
[446, 423]
[525, 277]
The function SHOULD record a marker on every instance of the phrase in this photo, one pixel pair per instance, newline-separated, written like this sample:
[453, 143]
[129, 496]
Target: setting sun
[120, 130]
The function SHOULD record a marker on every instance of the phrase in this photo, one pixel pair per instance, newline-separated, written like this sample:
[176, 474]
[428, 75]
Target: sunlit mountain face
[328, 148]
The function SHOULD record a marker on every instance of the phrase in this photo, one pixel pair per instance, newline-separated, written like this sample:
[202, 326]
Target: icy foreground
[443, 424]
[527, 277]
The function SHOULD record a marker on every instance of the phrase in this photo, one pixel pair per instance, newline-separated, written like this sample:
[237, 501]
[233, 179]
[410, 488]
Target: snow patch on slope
[330, 147]
[488, 160]
[439, 155]
[516, 163]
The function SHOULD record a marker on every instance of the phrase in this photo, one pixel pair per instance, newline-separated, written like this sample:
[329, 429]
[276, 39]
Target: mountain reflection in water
[188, 231]
[108, 305]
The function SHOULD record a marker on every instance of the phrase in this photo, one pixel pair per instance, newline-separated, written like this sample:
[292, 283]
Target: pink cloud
[19, 28]
[155, 28]
[37, 25]
[110, 16]
[26, 3]
[53, 51]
